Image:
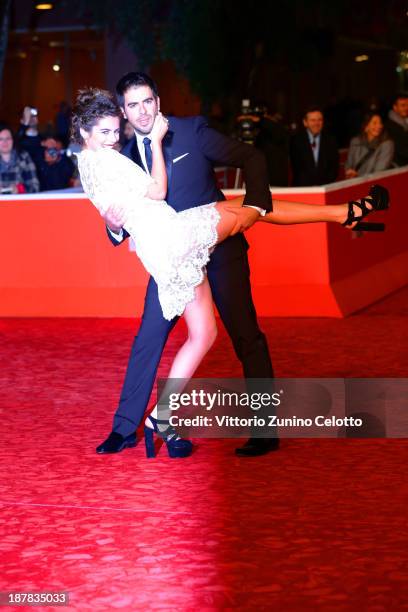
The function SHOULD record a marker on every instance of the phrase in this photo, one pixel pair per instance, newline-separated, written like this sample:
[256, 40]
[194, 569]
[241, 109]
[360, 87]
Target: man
[191, 150]
[397, 128]
[313, 152]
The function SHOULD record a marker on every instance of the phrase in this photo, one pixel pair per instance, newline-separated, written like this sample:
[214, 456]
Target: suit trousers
[230, 285]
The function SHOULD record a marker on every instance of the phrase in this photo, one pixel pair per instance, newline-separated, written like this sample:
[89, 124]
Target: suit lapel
[168, 154]
[309, 150]
[321, 151]
[135, 155]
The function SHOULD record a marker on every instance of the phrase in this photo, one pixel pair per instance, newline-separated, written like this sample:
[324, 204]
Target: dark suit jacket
[305, 171]
[191, 150]
[400, 137]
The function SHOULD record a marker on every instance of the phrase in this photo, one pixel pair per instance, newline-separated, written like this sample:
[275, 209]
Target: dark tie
[148, 153]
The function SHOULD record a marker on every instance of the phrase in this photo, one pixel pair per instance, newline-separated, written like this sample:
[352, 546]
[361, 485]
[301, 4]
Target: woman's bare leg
[202, 331]
[284, 213]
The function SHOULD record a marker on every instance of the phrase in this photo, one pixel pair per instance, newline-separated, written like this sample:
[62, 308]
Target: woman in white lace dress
[173, 247]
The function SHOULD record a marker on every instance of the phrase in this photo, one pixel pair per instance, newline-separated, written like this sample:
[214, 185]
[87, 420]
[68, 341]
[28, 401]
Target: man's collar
[393, 116]
[310, 135]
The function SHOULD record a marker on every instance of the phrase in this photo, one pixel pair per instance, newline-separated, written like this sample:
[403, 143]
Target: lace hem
[178, 289]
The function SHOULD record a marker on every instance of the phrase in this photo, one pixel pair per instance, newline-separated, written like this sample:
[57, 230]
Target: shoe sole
[103, 452]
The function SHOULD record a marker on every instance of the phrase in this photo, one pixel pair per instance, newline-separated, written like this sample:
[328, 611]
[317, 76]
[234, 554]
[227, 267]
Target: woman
[371, 151]
[17, 170]
[174, 247]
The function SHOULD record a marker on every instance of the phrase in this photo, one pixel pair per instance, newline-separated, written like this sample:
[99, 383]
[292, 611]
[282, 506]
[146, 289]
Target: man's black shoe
[257, 446]
[116, 443]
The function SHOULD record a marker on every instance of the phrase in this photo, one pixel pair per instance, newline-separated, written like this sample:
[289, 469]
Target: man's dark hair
[401, 95]
[312, 109]
[134, 79]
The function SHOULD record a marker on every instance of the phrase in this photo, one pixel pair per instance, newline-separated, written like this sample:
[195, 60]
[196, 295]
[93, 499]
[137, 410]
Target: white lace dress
[173, 247]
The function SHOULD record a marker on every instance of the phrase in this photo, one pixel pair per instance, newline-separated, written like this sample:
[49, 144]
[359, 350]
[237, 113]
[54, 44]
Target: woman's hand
[351, 173]
[160, 127]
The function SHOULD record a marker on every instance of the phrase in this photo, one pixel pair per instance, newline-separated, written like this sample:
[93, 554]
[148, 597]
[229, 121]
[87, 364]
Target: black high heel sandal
[176, 446]
[379, 199]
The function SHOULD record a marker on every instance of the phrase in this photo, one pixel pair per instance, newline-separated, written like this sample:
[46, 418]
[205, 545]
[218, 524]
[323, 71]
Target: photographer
[268, 134]
[54, 169]
[17, 170]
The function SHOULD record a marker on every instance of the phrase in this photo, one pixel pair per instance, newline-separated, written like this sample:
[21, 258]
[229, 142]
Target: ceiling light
[44, 6]
[361, 58]
[56, 67]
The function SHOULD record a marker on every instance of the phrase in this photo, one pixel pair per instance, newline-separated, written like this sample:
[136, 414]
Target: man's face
[401, 107]
[6, 142]
[314, 122]
[140, 108]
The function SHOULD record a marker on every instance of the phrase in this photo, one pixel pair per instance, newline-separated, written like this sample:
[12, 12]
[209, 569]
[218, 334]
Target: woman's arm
[385, 155]
[158, 189]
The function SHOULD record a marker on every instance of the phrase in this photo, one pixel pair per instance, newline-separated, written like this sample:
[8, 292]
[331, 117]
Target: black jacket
[305, 170]
[400, 137]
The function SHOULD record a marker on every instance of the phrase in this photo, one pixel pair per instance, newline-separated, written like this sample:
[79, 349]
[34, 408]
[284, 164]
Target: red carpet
[320, 525]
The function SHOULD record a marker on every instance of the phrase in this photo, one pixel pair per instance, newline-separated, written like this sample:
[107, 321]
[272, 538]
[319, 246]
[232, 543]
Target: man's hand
[115, 217]
[245, 218]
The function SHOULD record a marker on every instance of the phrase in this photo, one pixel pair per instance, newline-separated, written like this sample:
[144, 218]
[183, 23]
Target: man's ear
[158, 103]
[84, 133]
[305, 122]
[123, 112]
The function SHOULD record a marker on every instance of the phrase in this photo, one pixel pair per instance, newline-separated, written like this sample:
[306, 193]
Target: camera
[34, 111]
[52, 152]
[248, 121]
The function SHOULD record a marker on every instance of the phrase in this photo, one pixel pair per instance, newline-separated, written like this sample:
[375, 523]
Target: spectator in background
[371, 151]
[63, 123]
[273, 141]
[54, 169]
[17, 170]
[397, 128]
[28, 136]
[313, 152]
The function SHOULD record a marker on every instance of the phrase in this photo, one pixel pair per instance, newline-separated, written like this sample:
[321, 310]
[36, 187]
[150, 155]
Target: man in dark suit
[397, 128]
[313, 152]
[191, 149]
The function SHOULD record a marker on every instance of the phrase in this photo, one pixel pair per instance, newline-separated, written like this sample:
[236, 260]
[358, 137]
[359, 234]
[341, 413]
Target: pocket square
[176, 159]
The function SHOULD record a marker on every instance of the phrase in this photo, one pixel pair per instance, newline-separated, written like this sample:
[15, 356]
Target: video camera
[249, 120]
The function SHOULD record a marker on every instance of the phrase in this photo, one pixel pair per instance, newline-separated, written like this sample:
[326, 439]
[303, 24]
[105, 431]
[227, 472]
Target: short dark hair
[91, 105]
[134, 79]
[313, 108]
[401, 95]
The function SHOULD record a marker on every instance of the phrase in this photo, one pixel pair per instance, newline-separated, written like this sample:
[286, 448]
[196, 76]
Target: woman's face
[374, 127]
[105, 134]
[6, 142]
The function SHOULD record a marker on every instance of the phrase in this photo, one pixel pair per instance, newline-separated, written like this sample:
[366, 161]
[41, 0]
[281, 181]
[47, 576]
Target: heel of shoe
[149, 443]
[368, 227]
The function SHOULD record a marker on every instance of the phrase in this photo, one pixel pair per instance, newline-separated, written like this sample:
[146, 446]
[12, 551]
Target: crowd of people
[312, 152]
[32, 162]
